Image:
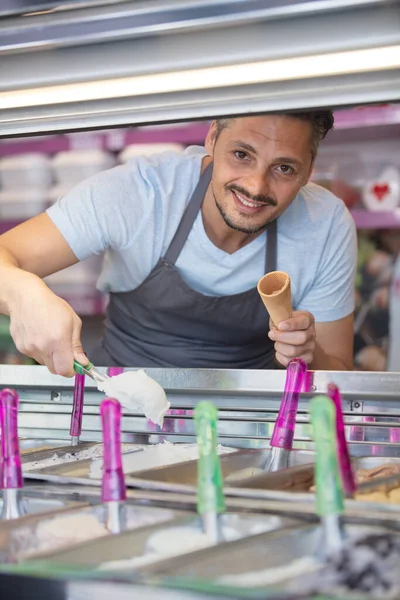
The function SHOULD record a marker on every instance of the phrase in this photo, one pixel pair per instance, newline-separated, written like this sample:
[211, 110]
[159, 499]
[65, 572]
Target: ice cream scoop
[11, 479]
[77, 409]
[346, 470]
[282, 436]
[113, 489]
[210, 491]
[329, 492]
[135, 390]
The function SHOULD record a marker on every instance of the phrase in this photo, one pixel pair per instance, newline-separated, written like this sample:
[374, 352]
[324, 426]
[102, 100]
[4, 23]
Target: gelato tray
[242, 465]
[137, 457]
[290, 560]
[38, 459]
[24, 538]
[132, 550]
[301, 478]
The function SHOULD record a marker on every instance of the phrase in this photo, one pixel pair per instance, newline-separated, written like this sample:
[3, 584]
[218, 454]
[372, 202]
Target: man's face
[260, 164]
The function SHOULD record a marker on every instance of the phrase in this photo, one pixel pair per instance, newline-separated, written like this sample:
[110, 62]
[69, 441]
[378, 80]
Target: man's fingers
[295, 338]
[77, 350]
[285, 360]
[64, 361]
[300, 321]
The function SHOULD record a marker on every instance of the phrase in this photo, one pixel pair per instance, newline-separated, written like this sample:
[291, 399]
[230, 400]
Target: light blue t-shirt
[132, 213]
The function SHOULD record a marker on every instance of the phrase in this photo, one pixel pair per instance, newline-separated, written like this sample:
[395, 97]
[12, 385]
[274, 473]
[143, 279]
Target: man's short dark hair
[321, 122]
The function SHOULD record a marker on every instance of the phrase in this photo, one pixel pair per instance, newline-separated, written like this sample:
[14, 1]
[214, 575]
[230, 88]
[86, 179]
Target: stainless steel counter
[248, 403]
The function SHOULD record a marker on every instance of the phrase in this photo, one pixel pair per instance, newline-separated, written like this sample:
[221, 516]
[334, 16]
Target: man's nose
[257, 183]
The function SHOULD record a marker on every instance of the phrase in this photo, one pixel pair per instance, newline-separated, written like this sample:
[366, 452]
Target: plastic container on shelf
[22, 204]
[342, 174]
[83, 274]
[77, 285]
[76, 165]
[25, 171]
[147, 150]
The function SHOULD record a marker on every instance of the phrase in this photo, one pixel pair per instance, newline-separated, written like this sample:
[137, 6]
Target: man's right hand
[44, 327]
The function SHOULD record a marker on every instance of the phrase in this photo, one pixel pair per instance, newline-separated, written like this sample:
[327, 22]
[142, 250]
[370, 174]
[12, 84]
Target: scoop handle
[82, 370]
[10, 469]
[210, 491]
[327, 480]
[77, 406]
[283, 433]
[346, 470]
[113, 480]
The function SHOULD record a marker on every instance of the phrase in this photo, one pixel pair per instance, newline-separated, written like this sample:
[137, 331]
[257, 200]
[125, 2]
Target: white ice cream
[95, 451]
[60, 532]
[175, 541]
[69, 529]
[136, 391]
[158, 455]
[271, 576]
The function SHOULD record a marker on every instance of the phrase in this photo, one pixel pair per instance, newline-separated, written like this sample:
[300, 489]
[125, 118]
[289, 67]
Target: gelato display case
[234, 501]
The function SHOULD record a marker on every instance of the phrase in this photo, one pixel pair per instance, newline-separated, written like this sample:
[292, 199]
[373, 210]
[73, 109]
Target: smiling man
[186, 239]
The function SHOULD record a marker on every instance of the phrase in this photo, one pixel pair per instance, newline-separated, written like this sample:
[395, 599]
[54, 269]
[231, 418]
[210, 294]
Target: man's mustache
[267, 200]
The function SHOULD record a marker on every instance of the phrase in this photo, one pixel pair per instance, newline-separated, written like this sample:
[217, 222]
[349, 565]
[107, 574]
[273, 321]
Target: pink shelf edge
[368, 219]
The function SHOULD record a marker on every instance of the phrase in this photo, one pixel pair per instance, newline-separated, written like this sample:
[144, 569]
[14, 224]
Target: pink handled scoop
[345, 468]
[113, 490]
[11, 479]
[282, 436]
[77, 409]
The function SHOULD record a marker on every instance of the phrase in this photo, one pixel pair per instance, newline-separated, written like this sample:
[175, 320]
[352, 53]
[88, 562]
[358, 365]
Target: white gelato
[95, 451]
[62, 531]
[136, 391]
[158, 455]
[175, 541]
[272, 576]
[54, 533]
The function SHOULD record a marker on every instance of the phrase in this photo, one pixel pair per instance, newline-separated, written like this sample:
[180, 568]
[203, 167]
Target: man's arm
[36, 246]
[334, 345]
[42, 325]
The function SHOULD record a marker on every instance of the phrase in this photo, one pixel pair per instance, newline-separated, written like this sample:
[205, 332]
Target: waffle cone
[274, 289]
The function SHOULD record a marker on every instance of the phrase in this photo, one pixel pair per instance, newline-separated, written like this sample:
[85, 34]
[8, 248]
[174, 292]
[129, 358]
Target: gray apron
[165, 323]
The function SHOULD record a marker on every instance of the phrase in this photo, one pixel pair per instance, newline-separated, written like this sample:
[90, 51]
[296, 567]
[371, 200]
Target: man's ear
[211, 138]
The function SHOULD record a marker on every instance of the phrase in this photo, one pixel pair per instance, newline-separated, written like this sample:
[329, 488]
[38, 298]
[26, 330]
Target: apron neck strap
[189, 216]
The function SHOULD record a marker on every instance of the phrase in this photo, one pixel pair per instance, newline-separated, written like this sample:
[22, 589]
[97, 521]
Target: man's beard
[250, 229]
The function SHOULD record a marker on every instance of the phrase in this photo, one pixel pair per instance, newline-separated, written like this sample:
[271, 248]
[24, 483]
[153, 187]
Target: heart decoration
[380, 190]
[383, 193]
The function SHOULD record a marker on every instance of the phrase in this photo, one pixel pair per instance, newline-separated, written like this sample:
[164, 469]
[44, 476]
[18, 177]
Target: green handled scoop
[210, 490]
[89, 370]
[329, 491]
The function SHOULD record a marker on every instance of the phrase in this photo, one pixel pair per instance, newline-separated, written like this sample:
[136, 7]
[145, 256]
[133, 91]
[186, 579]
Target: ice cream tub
[237, 467]
[140, 457]
[133, 550]
[291, 560]
[31, 535]
[42, 458]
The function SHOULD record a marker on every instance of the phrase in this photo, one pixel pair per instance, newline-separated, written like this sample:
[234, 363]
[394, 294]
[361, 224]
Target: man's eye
[286, 169]
[240, 154]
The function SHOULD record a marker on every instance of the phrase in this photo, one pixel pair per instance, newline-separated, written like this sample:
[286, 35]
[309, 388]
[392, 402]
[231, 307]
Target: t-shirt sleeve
[331, 296]
[105, 211]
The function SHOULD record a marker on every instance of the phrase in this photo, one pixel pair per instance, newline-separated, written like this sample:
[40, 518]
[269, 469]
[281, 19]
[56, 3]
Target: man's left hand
[294, 338]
